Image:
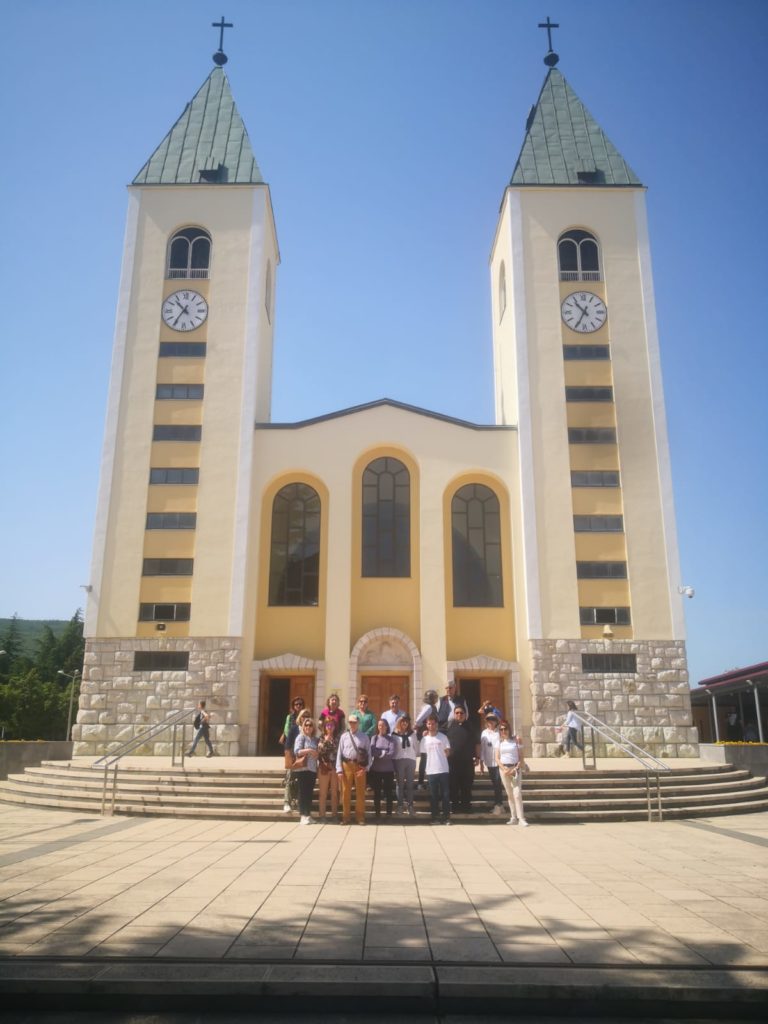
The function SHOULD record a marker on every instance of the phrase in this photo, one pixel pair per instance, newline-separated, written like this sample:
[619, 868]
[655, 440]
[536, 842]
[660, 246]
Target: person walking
[489, 742]
[305, 768]
[382, 772]
[509, 757]
[406, 755]
[352, 760]
[437, 749]
[202, 724]
[573, 726]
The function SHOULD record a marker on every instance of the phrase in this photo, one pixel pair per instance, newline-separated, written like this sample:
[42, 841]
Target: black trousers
[379, 781]
[462, 774]
[306, 781]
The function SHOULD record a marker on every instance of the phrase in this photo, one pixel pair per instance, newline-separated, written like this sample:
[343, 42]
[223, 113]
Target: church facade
[385, 547]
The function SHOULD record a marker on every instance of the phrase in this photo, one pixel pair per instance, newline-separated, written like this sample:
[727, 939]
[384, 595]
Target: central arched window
[476, 533]
[189, 253]
[386, 518]
[578, 256]
[295, 548]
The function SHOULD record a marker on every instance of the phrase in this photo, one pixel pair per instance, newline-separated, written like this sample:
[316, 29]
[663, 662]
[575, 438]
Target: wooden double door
[380, 688]
[276, 695]
[475, 690]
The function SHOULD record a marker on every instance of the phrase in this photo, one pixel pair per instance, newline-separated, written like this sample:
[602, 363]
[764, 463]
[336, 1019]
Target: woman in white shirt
[509, 758]
[489, 742]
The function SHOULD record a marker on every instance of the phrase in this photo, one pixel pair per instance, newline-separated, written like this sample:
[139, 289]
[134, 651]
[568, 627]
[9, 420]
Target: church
[385, 547]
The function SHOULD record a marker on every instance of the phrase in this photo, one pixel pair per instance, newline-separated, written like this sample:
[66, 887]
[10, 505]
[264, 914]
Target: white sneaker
[523, 823]
[497, 810]
[305, 820]
[512, 821]
[286, 808]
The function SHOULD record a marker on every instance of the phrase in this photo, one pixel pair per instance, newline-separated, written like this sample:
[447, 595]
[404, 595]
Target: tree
[33, 710]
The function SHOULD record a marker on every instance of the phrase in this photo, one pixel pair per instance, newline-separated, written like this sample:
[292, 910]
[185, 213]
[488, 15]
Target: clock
[583, 312]
[184, 311]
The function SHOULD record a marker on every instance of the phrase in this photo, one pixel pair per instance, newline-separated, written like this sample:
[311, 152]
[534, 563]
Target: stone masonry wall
[118, 704]
[651, 707]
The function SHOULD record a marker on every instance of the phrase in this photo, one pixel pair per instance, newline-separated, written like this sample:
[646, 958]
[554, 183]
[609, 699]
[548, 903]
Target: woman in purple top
[382, 770]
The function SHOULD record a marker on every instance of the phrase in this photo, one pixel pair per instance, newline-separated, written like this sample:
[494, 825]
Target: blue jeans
[440, 789]
[201, 734]
[493, 774]
[572, 740]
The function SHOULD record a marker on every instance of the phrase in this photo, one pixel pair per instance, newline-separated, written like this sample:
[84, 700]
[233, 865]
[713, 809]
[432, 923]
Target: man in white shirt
[391, 716]
[354, 748]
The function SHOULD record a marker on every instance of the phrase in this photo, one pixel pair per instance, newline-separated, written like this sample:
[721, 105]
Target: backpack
[197, 721]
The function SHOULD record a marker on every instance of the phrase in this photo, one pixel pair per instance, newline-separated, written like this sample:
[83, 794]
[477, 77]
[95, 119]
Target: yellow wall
[472, 631]
[294, 630]
[394, 601]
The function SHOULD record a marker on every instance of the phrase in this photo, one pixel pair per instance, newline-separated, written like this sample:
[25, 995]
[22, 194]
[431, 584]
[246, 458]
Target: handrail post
[648, 795]
[114, 790]
[104, 791]
[658, 794]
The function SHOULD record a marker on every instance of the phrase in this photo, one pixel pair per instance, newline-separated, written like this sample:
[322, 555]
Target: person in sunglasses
[288, 739]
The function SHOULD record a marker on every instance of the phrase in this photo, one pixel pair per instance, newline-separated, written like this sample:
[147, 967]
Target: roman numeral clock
[583, 312]
[184, 311]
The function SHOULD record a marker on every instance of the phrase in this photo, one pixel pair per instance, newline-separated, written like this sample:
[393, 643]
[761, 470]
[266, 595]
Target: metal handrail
[652, 765]
[112, 760]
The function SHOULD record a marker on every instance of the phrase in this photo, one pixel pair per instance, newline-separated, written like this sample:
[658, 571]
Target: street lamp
[73, 677]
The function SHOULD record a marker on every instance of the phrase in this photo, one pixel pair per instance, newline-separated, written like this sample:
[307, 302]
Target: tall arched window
[295, 549]
[386, 518]
[189, 253]
[476, 532]
[502, 290]
[579, 256]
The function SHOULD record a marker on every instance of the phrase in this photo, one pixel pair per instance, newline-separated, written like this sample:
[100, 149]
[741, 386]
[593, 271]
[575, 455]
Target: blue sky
[387, 130]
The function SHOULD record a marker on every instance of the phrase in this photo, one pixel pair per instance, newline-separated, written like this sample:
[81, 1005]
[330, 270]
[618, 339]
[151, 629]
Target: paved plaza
[687, 893]
[106, 918]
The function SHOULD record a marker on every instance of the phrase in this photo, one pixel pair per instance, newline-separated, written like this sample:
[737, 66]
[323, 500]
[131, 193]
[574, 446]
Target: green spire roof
[564, 145]
[207, 145]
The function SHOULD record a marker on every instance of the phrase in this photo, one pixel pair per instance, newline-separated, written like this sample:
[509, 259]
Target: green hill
[31, 629]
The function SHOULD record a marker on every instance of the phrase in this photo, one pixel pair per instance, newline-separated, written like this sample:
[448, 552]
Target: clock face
[184, 311]
[583, 312]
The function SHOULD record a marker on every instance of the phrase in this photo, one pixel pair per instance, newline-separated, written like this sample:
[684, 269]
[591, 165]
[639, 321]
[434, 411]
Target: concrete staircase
[215, 791]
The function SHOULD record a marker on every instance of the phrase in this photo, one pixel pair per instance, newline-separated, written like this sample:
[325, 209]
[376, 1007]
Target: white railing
[187, 272]
[651, 764]
[579, 275]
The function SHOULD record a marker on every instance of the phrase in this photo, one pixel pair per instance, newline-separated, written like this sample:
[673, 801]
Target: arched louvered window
[189, 254]
[476, 535]
[386, 518]
[295, 547]
[578, 256]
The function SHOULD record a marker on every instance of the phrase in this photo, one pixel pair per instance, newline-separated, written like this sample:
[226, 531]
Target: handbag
[362, 755]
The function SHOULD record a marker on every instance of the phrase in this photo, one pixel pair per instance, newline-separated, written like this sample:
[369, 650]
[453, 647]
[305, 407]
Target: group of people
[393, 755]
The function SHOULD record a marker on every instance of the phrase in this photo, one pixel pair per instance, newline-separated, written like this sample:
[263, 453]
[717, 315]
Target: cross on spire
[220, 57]
[551, 58]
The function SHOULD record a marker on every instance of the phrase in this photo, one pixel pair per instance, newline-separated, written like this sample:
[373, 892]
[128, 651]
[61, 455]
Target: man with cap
[352, 761]
[447, 706]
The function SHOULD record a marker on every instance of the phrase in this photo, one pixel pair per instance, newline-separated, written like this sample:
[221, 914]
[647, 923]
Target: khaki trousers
[353, 777]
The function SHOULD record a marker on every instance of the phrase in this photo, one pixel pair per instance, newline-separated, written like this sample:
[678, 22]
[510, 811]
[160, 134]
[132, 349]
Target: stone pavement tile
[246, 951]
[728, 953]
[665, 955]
[125, 947]
[532, 952]
[255, 935]
[390, 937]
[463, 947]
[397, 953]
[318, 950]
[195, 946]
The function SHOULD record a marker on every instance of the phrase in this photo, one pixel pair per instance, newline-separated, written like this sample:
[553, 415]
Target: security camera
[687, 591]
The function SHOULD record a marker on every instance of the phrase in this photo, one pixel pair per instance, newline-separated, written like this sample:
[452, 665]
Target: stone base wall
[118, 704]
[651, 707]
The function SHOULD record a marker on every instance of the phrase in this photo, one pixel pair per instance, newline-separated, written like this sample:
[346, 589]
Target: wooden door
[477, 690]
[380, 688]
[276, 695]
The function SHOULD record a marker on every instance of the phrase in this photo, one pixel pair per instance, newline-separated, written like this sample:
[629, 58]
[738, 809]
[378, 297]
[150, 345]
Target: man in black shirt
[462, 761]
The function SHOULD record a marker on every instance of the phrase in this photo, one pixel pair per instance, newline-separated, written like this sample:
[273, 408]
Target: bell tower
[577, 370]
[191, 373]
